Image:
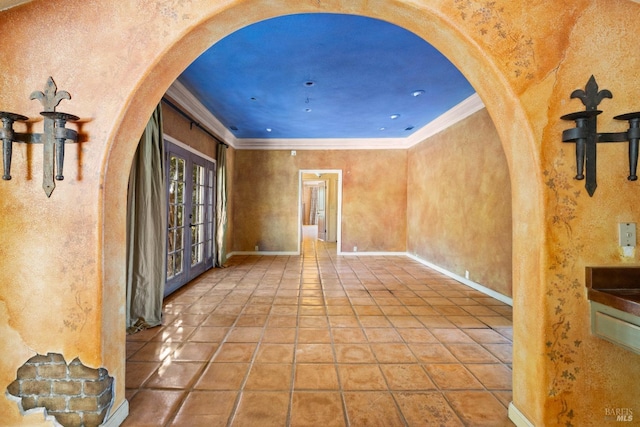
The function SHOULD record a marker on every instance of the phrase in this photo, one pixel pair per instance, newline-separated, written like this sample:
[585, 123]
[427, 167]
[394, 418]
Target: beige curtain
[146, 230]
[221, 206]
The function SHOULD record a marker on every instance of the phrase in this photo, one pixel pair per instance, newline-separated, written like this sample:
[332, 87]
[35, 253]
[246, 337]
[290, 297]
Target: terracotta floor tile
[223, 376]
[315, 376]
[372, 409]
[427, 409]
[505, 397]
[275, 353]
[407, 377]
[354, 353]
[405, 322]
[312, 322]
[478, 408]
[137, 373]
[486, 336]
[175, 375]
[205, 409]
[174, 333]
[493, 376]
[382, 335]
[344, 321]
[221, 320]
[269, 377]
[245, 334]
[341, 332]
[313, 409]
[504, 352]
[314, 335]
[152, 408]
[452, 377]
[393, 353]
[235, 352]
[279, 335]
[264, 409]
[361, 377]
[194, 352]
[314, 353]
[212, 334]
[154, 351]
[432, 353]
[348, 335]
[471, 353]
[417, 335]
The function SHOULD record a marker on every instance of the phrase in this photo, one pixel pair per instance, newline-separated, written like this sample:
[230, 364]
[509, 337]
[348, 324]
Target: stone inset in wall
[76, 395]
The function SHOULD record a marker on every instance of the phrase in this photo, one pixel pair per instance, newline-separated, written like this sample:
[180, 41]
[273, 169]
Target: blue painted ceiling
[324, 76]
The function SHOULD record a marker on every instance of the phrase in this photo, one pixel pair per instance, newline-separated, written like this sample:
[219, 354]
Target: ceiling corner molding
[180, 94]
[321, 144]
[456, 114]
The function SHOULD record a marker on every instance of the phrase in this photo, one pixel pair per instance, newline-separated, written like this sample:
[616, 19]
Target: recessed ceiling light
[381, 129]
[253, 98]
[409, 128]
[269, 129]
[417, 92]
[309, 83]
[394, 116]
[234, 127]
[307, 110]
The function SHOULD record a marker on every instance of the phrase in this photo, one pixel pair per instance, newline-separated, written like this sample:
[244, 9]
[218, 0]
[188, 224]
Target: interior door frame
[190, 272]
[301, 173]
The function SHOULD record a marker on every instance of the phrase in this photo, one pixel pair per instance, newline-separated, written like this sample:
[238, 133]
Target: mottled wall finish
[459, 203]
[63, 258]
[373, 198]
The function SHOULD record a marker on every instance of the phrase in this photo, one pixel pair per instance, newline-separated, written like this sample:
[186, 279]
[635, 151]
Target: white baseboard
[372, 253]
[518, 417]
[490, 292]
[265, 253]
[118, 416]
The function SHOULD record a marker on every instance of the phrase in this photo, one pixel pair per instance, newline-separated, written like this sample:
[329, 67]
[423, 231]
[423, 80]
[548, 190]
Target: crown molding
[185, 99]
[181, 95]
[456, 114]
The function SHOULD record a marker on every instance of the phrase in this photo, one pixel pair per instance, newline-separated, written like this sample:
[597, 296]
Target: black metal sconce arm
[53, 138]
[586, 136]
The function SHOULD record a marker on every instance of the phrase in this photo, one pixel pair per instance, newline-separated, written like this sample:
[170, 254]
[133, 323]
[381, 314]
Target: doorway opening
[320, 205]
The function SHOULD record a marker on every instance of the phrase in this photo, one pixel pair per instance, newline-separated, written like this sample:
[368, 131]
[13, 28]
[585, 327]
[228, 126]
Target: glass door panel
[190, 216]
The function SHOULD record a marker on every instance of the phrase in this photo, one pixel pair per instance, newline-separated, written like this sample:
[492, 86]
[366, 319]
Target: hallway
[323, 340]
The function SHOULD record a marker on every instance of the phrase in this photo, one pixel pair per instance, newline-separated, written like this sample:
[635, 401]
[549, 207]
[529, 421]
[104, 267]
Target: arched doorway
[452, 41]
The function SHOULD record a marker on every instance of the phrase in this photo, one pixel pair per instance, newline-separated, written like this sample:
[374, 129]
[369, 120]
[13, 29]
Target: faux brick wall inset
[75, 394]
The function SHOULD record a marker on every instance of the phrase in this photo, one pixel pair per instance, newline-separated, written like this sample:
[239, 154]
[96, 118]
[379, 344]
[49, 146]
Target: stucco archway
[427, 22]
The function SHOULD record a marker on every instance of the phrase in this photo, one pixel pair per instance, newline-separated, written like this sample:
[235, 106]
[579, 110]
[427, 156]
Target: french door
[190, 216]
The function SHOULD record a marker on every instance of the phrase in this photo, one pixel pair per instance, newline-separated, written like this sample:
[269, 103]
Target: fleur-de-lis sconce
[53, 138]
[586, 136]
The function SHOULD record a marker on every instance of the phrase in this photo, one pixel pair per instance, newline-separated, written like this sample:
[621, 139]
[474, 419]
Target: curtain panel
[146, 229]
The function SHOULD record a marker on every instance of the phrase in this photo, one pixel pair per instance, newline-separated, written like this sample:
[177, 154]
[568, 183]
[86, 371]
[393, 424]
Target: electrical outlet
[355, 249]
[257, 248]
[466, 274]
[627, 234]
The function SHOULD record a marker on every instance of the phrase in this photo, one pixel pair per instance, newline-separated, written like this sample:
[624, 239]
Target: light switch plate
[627, 234]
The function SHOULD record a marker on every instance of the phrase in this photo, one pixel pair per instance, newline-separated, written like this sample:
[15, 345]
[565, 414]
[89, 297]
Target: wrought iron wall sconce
[586, 136]
[53, 138]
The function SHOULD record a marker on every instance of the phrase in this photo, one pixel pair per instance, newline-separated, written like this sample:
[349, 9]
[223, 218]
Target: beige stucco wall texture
[62, 277]
[374, 198]
[459, 203]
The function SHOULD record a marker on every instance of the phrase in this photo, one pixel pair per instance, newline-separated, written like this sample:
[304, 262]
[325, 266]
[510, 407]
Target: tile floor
[323, 340]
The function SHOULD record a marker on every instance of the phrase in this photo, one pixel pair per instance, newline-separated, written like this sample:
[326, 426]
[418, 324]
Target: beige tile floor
[323, 340]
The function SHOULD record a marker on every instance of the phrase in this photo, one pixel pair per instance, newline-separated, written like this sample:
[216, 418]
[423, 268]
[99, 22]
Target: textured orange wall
[373, 198]
[63, 258]
[459, 203]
